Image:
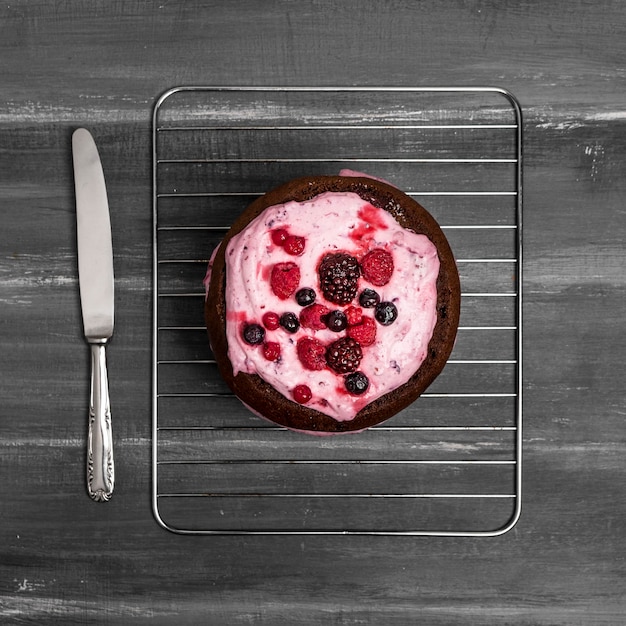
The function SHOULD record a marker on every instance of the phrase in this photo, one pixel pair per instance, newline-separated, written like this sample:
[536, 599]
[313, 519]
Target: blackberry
[290, 322]
[356, 383]
[305, 296]
[254, 334]
[386, 313]
[336, 321]
[344, 355]
[369, 299]
[339, 275]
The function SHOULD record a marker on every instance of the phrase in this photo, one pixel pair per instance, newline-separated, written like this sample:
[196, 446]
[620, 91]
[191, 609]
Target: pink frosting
[331, 222]
[354, 174]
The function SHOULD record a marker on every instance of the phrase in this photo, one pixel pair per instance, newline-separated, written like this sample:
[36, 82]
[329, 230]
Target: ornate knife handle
[100, 468]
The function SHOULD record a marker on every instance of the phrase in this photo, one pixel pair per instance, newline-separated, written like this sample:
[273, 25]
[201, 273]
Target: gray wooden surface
[67, 560]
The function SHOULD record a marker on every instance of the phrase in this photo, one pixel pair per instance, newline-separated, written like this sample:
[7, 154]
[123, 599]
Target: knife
[95, 278]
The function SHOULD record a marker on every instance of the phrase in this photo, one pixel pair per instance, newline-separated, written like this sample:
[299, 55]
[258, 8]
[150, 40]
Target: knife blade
[96, 283]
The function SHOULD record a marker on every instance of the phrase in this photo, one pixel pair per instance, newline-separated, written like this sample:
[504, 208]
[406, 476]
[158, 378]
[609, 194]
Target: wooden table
[67, 560]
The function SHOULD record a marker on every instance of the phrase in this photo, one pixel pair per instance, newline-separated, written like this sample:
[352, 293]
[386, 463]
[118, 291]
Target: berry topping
[311, 353]
[356, 383]
[365, 332]
[336, 321]
[305, 296]
[386, 313]
[344, 355]
[377, 267]
[271, 350]
[289, 322]
[254, 334]
[294, 245]
[354, 315]
[271, 320]
[284, 279]
[279, 236]
[339, 274]
[302, 394]
[369, 298]
[313, 316]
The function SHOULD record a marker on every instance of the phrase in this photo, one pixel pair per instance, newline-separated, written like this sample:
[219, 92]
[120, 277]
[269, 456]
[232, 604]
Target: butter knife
[95, 278]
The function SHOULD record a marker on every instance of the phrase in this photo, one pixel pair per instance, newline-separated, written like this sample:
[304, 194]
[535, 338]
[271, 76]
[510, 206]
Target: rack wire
[448, 465]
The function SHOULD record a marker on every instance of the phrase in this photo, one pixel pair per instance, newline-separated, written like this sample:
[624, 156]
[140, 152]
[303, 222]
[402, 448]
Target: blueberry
[254, 334]
[386, 313]
[305, 296]
[336, 321]
[356, 383]
[290, 322]
[369, 298]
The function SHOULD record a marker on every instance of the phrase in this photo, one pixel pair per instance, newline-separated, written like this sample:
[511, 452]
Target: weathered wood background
[66, 560]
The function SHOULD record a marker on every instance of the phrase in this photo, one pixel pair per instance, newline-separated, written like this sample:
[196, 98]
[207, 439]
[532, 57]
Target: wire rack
[450, 464]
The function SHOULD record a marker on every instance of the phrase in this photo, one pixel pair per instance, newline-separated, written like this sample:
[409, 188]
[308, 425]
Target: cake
[332, 303]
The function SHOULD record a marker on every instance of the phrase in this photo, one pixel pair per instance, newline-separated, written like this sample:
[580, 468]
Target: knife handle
[100, 468]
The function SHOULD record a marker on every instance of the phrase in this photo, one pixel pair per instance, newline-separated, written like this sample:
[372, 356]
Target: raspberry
[294, 245]
[270, 320]
[313, 316]
[311, 353]
[253, 334]
[365, 332]
[302, 394]
[339, 274]
[356, 383]
[344, 355]
[354, 315]
[377, 267]
[271, 350]
[284, 279]
[386, 313]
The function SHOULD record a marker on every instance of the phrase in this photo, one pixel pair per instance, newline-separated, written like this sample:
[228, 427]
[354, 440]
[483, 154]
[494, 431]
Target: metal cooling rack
[448, 465]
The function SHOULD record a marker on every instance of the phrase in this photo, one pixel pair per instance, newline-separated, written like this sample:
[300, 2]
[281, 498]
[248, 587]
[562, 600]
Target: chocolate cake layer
[264, 399]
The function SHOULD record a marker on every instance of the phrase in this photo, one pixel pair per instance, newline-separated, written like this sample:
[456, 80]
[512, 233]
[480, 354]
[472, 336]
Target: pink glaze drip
[330, 222]
[355, 174]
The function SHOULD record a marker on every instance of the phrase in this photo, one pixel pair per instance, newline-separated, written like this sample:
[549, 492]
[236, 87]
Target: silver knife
[95, 277]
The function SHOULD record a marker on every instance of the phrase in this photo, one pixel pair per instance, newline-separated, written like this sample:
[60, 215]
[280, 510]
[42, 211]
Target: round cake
[332, 303]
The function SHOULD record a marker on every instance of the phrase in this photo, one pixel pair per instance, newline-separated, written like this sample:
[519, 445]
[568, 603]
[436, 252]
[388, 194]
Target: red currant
[279, 236]
[271, 350]
[302, 394]
[271, 320]
[294, 245]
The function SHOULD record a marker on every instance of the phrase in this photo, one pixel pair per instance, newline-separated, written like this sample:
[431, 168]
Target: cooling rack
[448, 465]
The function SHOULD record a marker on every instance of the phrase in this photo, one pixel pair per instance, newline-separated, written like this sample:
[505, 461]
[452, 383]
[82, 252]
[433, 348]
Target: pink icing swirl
[331, 222]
